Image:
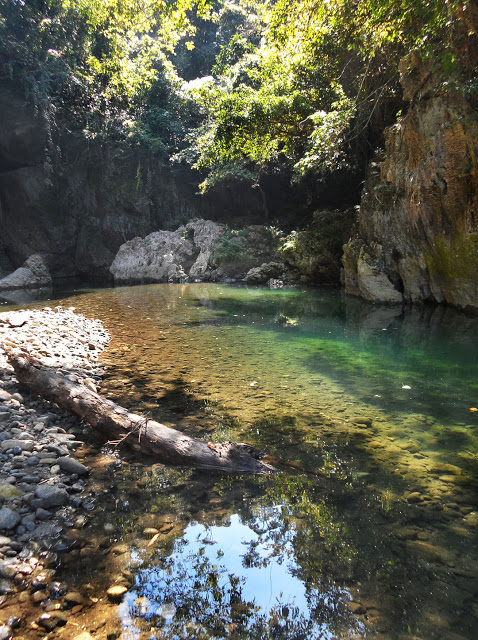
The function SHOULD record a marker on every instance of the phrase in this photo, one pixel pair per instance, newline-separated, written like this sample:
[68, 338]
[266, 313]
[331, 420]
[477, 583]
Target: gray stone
[262, 274]
[169, 256]
[6, 587]
[42, 514]
[33, 274]
[25, 445]
[374, 284]
[72, 466]
[46, 530]
[4, 415]
[51, 495]
[8, 518]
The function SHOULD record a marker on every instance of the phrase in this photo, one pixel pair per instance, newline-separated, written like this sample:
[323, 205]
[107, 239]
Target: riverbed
[370, 527]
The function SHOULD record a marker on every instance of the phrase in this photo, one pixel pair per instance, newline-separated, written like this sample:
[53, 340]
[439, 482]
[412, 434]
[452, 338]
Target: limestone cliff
[417, 233]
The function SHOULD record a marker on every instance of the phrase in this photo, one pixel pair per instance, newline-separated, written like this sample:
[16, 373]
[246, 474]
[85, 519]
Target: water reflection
[25, 296]
[236, 578]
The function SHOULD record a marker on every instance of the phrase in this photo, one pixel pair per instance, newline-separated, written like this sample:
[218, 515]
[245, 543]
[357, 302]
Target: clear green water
[370, 528]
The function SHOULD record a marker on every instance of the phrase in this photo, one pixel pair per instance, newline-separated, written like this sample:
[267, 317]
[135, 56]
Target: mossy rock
[240, 250]
[315, 253]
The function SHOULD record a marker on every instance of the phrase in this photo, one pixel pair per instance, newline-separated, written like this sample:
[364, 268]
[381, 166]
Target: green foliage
[94, 63]
[315, 252]
[297, 84]
[307, 95]
[242, 249]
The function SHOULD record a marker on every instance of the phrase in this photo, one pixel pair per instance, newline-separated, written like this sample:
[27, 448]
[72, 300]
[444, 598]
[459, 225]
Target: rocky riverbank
[44, 490]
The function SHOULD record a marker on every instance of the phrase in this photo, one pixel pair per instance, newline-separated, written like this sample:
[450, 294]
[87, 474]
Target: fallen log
[146, 436]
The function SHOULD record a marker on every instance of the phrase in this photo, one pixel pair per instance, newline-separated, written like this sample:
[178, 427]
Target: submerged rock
[116, 592]
[33, 274]
[72, 466]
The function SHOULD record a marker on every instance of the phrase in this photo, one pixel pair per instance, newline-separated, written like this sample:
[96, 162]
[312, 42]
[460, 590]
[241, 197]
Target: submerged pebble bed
[44, 490]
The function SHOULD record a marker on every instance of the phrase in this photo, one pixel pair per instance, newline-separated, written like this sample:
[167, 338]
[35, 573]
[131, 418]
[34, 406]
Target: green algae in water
[373, 517]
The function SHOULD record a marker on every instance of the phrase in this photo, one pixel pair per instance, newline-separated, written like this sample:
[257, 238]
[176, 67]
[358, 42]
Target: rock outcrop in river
[417, 230]
[169, 256]
[201, 250]
[32, 275]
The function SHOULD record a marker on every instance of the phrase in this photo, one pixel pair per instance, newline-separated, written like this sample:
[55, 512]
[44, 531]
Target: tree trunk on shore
[146, 436]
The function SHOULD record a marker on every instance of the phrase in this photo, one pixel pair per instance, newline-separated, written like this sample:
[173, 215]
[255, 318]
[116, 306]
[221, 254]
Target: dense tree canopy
[298, 84]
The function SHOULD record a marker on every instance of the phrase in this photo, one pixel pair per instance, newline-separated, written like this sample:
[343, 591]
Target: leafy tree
[93, 61]
[314, 92]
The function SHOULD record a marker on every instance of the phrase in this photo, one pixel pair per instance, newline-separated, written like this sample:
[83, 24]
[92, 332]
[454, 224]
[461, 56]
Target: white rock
[33, 274]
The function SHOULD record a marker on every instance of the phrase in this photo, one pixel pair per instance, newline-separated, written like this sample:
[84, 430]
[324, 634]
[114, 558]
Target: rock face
[32, 275]
[416, 238]
[169, 256]
[79, 200]
[262, 274]
[201, 250]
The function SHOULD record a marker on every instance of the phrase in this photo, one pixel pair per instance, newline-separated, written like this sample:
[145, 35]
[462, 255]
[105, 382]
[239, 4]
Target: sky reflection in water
[222, 576]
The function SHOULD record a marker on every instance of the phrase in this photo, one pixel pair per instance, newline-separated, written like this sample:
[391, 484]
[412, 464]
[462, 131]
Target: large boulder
[32, 275]
[240, 250]
[313, 255]
[169, 256]
[205, 235]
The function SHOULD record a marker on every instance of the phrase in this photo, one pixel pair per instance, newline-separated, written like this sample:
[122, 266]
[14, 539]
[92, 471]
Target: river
[370, 527]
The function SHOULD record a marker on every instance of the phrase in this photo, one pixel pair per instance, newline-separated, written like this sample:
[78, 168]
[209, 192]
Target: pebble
[429, 552]
[74, 598]
[119, 549]
[38, 471]
[52, 495]
[6, 570]
[50, 621]
[116, 592]
[5, 632]
[72, 466]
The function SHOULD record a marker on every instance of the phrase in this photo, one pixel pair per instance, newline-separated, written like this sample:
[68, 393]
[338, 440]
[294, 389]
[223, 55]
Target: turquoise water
[370, 527]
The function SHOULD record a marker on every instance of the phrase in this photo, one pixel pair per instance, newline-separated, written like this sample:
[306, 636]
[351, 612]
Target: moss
[455, 259]
[316, 252]
[242, 249]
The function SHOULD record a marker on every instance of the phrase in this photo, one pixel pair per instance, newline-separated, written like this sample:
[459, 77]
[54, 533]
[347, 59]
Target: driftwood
[146, 436]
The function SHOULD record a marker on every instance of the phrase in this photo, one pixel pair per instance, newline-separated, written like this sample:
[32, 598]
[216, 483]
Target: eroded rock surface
[417, 229]
[169, 256]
